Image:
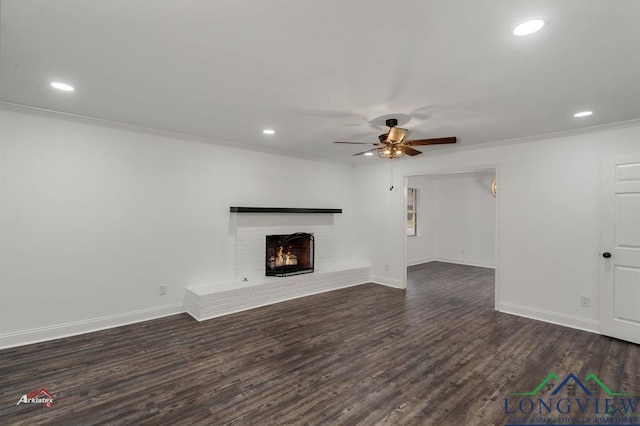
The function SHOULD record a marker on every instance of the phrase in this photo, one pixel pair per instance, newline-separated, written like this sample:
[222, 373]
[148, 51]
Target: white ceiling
[326, 70]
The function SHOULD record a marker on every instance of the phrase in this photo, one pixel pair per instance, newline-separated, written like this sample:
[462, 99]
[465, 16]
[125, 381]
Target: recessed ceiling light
[268, 131]
[582, 114]
[62, 86]
[368, 154]
[529, 26]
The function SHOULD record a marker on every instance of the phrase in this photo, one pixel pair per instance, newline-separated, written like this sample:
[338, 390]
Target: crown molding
[556, 135]
[43, 112]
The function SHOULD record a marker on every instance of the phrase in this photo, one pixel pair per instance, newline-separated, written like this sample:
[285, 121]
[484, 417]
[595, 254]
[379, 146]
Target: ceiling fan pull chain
[391, 176]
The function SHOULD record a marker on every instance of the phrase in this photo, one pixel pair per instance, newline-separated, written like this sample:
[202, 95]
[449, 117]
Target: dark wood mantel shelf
[281, 210]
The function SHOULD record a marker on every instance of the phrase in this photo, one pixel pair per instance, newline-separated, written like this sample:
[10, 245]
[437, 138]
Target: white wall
[94, 219]
[456, 219]
[465, 219]
[548, 219]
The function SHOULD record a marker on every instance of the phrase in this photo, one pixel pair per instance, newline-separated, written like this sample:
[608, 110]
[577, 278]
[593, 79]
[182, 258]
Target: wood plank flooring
[435, 354]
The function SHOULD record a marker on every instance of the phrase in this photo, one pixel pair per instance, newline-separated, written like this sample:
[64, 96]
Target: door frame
[497, 243]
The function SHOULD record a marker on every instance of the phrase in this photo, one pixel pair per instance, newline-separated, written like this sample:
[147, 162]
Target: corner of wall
[579, 323]
[389, 282]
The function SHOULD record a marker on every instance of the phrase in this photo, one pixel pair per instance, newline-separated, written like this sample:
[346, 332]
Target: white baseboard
[389, 282]
[480, 263]
[58, 331]
[579, 323]
[420, 261]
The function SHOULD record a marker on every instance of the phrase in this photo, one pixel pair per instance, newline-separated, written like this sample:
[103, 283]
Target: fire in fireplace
[289, 254]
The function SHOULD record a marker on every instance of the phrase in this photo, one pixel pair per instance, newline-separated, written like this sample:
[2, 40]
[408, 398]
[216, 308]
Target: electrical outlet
[585, 301]
[245, 279]
[163, 290]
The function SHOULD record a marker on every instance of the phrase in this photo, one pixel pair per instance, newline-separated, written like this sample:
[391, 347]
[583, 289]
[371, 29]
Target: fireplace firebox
[287, 255]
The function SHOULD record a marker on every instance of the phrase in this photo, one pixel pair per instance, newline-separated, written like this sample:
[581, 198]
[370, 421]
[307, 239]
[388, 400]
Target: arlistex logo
[37, 397]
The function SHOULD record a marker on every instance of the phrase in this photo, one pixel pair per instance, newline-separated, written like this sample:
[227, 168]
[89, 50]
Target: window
[412, 212]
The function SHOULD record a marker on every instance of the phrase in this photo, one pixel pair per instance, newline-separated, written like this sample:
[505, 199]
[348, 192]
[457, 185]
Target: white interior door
[620, 262]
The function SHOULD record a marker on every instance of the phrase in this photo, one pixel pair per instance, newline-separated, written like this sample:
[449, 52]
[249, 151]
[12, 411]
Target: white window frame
[412, 195]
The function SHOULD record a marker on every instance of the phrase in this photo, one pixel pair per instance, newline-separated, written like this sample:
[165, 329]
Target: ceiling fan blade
[396, 135]
[410, 151]
[435, 141]
[364, 152]
[359, 143]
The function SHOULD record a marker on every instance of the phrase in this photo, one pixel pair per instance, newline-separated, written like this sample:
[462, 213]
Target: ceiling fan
[393, 145]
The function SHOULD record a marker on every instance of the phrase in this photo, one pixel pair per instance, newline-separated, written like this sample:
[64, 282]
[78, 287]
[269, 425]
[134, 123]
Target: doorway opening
[452, 218]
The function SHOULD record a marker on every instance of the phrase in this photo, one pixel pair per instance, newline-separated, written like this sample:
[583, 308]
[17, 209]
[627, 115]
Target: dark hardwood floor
[435, 354]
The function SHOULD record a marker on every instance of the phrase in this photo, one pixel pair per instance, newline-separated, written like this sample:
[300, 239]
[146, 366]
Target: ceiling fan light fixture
[582, 114]
[390, 153]
[384, 153]
[269, 131]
